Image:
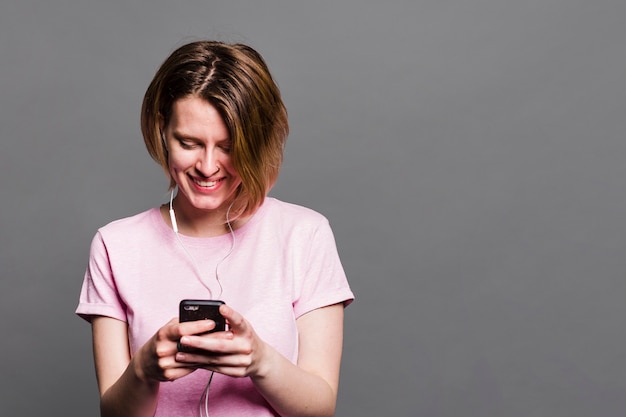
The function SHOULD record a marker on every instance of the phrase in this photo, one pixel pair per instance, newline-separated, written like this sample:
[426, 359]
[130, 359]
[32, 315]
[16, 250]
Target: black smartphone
[192, 310]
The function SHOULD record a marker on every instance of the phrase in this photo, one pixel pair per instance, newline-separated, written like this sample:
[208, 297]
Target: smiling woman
[236, 81]
[200, 163]
[214, 120]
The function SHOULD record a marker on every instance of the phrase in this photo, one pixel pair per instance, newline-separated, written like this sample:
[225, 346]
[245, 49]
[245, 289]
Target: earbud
[172, 215]
[173, 218]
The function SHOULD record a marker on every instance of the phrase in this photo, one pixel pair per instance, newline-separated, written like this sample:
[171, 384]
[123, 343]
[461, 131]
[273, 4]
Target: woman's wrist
[139, 373]
[267, 361]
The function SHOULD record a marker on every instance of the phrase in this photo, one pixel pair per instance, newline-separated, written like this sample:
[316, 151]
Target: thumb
[236, 322]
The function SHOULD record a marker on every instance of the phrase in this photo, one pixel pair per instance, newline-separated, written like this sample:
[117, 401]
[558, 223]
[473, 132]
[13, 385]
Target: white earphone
[172, 215]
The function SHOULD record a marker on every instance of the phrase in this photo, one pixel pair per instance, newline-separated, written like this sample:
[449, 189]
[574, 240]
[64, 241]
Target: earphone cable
[193, 260]
[204, 399]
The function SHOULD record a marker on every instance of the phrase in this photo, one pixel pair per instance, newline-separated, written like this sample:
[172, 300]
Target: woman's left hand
[237, 352]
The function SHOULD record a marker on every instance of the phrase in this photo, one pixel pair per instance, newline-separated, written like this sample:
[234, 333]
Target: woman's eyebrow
[182, 136]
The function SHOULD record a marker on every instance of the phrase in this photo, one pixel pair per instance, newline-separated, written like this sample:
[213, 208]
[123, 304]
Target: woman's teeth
[206, 183]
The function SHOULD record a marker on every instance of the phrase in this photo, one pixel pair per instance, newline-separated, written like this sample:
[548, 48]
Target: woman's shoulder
[284, 217]
[137, 224]
[287, 212]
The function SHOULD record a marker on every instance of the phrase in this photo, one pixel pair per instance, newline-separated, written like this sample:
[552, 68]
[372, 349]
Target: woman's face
[199, 155]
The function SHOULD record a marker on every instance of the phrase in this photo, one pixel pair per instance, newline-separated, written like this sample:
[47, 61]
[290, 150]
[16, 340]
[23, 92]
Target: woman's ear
[162, 131]
[161, 121]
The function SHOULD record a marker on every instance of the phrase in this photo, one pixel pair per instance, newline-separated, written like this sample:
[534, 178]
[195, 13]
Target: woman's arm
[310, 388]
[129, 386]
[306, 389]
[122, 390]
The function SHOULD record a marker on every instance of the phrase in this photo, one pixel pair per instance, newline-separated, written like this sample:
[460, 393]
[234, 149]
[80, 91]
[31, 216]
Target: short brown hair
[235, 79]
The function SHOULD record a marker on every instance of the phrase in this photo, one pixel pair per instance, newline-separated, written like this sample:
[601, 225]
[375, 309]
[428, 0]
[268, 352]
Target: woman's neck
[201, 223]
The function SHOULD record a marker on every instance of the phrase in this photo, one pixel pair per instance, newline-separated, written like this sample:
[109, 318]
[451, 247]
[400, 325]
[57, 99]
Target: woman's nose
[208, 163]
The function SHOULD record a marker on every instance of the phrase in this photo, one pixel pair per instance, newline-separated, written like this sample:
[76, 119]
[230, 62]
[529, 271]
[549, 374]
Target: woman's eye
[225, 146]
[186, 144]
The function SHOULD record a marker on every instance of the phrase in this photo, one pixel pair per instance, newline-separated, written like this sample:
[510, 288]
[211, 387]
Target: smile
[207, 184]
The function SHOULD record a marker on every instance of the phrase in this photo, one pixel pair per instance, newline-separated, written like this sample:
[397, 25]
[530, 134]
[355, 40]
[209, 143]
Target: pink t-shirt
[284, 263]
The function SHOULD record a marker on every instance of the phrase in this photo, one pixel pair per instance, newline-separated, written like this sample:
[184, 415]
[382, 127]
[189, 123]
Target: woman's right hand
[156, 359]
[130, 386]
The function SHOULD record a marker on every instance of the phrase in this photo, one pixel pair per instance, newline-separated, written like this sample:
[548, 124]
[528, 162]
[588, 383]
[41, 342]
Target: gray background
[468, 153]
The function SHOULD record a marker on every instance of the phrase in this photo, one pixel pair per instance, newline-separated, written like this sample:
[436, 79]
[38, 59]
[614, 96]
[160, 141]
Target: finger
[200, 360]
[195, 327]
[206, 340]
[172, 374]
[197, 357]
[218, 342]
[173, 330]
[236, 322]
[169, 331]
[230, 365]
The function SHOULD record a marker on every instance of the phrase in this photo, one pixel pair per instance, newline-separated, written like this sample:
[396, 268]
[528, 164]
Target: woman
[214, 120]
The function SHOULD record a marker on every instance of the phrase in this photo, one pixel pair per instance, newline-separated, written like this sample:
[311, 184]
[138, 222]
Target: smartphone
[192, 310]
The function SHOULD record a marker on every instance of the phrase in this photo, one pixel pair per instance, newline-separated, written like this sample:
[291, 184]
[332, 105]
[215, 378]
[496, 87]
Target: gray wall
[468, 153]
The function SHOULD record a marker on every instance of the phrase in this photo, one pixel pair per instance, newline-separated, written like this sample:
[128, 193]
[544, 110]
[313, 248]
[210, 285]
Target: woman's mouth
[206, 184]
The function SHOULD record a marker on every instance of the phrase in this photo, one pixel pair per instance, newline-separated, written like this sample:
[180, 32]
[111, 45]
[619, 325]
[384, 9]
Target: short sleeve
[323, 281]
[99, 295]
